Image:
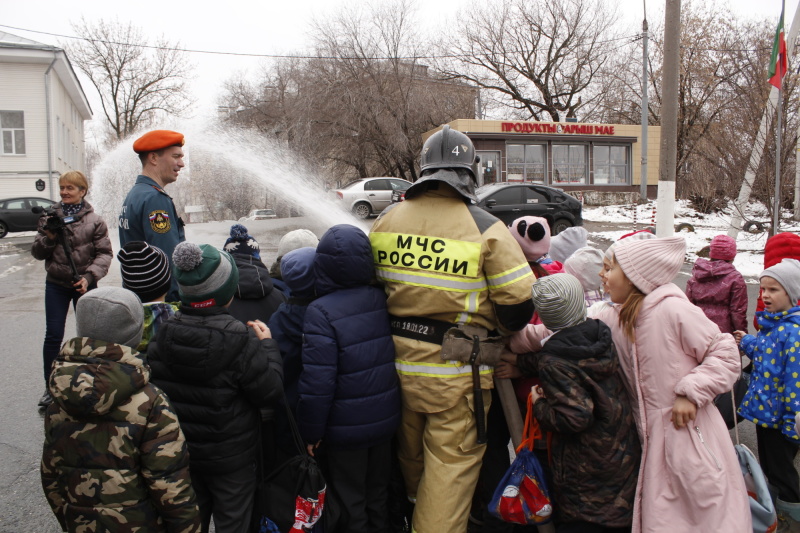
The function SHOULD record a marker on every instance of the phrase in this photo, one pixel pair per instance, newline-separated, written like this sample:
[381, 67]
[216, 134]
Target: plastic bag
[522, 497]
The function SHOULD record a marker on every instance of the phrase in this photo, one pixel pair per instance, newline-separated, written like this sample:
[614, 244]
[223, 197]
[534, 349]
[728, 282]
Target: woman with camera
[73, 242]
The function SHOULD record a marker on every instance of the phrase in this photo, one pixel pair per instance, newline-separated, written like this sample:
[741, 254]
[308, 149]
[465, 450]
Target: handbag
[762, 509]
[522, 497]
[292, 498]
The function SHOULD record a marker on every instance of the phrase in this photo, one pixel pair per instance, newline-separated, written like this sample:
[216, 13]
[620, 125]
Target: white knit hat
[566, 243]
[299, 238]
[585, 264]
[650, 263]
[558, 299]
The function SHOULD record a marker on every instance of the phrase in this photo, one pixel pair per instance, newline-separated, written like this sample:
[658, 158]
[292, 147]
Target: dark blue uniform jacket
[149, 215]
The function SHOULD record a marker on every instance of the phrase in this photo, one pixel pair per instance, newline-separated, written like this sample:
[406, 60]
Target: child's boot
[788, 517]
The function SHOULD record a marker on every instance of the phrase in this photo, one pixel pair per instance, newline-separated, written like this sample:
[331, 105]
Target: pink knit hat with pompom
[650, 263]
[533, 236]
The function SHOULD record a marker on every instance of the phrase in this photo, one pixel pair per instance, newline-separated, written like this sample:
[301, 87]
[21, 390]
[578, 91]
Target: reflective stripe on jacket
[440, 258]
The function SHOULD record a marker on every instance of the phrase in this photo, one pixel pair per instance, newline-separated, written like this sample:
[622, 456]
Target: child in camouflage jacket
[114, 456]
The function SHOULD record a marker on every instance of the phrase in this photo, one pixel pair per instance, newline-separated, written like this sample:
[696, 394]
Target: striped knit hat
[206, 277]
[145, 270]
[651, 263]
[558, 299]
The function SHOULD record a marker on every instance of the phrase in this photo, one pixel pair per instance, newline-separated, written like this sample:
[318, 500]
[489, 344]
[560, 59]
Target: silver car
[368, 196]
[259, 214]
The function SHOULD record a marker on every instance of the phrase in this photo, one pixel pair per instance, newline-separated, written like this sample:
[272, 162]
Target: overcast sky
[265, 27]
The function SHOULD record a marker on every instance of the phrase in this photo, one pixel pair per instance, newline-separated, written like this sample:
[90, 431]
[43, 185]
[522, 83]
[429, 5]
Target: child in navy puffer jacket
[286, 323]
[349, 398]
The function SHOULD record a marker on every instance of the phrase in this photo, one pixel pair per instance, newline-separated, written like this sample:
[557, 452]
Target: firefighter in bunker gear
[445, 262]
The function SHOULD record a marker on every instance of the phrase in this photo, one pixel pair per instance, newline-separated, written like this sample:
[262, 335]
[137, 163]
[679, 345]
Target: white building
[42, 109]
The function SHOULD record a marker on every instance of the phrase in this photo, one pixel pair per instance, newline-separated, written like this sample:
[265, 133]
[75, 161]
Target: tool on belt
[477, 392]
[473, 345]
[460, 342]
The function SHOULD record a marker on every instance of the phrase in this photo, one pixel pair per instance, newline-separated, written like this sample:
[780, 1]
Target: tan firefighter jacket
[442, 259]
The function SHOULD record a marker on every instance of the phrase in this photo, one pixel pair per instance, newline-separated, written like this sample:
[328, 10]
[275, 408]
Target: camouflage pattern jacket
[595, 448]
[114, 456]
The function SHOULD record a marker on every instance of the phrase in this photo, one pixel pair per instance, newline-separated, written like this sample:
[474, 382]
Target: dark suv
[509, 201]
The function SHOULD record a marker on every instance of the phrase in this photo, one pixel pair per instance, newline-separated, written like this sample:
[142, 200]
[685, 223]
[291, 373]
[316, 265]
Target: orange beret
[156, 140]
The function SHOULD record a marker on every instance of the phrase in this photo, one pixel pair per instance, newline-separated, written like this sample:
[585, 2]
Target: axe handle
[505, 390]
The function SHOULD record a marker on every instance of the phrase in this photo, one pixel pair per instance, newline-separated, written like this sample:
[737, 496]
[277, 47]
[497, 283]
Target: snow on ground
[750, 259]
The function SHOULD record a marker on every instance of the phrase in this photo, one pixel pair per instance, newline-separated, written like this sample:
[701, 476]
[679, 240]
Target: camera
[54, 223]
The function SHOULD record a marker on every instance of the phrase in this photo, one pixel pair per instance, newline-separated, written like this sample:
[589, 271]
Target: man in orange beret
[148, 213]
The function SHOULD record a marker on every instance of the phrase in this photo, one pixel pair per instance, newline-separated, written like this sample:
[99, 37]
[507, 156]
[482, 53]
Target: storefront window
[569, 164]
[526, 162]
[611, 165]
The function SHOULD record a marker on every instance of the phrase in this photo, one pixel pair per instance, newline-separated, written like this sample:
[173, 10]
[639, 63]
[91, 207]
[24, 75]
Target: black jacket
[255, 297]
[595, 447]
[217, 374]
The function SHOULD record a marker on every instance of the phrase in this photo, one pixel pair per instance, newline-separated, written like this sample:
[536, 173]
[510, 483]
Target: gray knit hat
[206, 277]
[787, 273]
[585, 264]
[110, 314]
[559, 301]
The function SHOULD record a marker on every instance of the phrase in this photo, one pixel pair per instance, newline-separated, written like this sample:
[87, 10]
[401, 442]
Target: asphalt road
[23, 507]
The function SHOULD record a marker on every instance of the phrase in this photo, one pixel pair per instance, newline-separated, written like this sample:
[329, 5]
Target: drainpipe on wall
[49, 132]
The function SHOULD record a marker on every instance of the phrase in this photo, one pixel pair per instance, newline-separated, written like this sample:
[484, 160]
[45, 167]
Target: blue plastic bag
[522, 497]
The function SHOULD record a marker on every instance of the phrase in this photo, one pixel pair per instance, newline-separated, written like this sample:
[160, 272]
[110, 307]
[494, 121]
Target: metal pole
[776, 202]
[761, 136]
[665, 221]
[797, 180]
[645, 115]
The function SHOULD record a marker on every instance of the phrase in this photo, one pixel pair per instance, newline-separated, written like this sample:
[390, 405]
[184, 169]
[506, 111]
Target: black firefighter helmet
[449, 156]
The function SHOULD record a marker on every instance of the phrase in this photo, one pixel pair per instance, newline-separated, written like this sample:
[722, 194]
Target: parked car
[398, 196]
[509, 201]
[16, 214]
[368, 196]
[259, 214]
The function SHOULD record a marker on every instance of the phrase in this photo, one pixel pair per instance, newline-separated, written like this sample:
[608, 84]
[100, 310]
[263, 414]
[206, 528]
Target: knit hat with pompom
[533, 236]
[241, 243]
[206, 277]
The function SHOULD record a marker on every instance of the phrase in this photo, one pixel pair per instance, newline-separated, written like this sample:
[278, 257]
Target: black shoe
[45, 400]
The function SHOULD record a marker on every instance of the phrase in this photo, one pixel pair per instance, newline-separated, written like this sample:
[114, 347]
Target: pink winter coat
[719, 290]
[689, 478]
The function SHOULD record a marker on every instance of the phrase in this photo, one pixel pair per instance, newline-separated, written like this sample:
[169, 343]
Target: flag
[778, 64]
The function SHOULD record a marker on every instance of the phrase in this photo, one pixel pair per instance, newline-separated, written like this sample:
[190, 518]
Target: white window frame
[14, 133]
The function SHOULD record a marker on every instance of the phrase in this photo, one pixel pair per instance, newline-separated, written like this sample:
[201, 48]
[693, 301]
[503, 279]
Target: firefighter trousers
[441, 460]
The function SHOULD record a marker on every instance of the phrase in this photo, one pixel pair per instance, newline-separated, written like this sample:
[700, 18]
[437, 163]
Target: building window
[611, 165]
[526, 162]
[12, 128]
[569, 164]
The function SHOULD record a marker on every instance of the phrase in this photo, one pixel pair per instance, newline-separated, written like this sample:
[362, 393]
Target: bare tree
[361, 107]
[536, 58]
[135, 81]
[721, 96]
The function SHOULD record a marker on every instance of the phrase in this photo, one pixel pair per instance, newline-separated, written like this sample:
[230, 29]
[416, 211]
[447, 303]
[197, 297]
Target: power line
[629, 38]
